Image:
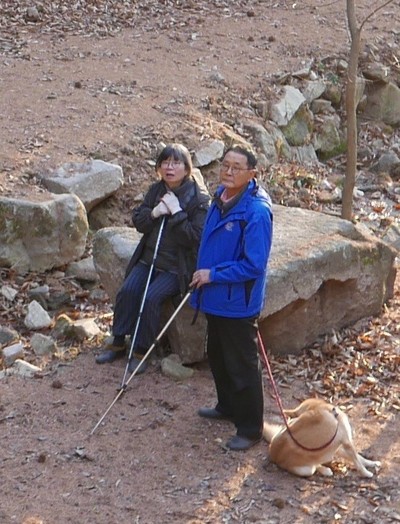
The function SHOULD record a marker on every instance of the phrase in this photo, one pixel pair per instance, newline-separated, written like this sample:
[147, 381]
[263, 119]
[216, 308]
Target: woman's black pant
[232, 348]
[129, 298]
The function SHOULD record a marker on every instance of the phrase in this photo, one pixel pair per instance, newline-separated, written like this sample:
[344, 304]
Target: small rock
[24, 369]
[171, 367]
[84, 329]
[8, 292]
[7, 335]
[32, 15]
[37, 317]
[11, 353]
[83, 270]
[43, 345]
[62, 325]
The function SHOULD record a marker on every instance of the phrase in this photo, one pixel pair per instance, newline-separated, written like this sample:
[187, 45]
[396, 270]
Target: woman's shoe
[110, 353]
[138, 363]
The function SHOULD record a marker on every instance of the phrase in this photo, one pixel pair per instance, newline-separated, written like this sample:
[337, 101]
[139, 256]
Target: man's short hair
[245, 151]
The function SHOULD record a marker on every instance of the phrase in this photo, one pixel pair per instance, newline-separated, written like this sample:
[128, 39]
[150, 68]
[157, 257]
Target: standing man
[229, 286]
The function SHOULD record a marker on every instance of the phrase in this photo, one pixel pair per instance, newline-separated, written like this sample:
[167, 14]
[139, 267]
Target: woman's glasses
[171, 163]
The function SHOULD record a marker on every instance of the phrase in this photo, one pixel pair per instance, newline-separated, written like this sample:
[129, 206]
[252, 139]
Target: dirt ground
[113, 80]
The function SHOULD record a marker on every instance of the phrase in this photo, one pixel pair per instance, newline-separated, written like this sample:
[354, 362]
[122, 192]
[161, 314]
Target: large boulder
[324, 273]
[42, 234]
[92, 181]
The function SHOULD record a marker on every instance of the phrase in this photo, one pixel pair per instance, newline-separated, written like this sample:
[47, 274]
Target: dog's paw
[367, 474]
[325, 471]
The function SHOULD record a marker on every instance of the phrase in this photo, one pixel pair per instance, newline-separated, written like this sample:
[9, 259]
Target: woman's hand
[160, 209]
[200, 277]
[172, 202]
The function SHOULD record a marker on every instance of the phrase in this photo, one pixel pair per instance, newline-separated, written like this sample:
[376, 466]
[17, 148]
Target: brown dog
[319, 431]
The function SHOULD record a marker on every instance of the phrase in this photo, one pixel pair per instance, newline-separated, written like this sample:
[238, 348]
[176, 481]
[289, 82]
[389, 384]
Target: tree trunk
[351, 89]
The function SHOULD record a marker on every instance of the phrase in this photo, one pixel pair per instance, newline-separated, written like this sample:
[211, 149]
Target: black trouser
[232, 348]
[129, 298]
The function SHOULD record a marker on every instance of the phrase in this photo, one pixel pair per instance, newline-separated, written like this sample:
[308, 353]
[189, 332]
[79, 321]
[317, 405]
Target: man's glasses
[171, 163]
[234, 169]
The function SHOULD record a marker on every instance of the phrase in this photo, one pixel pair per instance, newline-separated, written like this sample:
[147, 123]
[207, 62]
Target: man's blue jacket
[235, 246]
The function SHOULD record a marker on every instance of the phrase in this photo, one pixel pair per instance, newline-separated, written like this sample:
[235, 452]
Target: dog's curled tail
[270, 430]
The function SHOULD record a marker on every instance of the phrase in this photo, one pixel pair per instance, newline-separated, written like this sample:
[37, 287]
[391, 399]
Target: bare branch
[374, 12]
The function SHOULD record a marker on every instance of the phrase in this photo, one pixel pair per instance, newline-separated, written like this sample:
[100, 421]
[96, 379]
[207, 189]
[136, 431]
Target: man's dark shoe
[238, 443]
[213, 414]
[136, 362]
[110, 354]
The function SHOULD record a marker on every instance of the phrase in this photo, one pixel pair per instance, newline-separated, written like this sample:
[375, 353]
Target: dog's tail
[270, 430]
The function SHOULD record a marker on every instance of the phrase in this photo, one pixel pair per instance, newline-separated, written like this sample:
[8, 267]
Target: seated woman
[178, 204]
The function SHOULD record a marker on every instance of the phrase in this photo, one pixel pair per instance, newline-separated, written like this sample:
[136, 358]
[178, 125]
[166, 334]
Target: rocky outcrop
[324, 273]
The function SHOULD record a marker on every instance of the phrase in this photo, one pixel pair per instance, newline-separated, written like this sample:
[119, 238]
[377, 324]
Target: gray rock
[112, 248]
[377, 72]
[91, 181]
[83, 329]
[325, 273]
[269, 140]
[8, 292]
[208, 153]
[313, 90]
[83, 270]
[172, 367]
[11, 353]
[43, 345]
[41, 235]
[383, 103]
[387, 163]
[283, 111]
[304, 154]
[23, 369]
[7, 335]
[37, 317]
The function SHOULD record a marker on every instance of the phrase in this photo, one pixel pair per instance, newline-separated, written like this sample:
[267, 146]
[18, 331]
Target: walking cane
[123, 388]
[143, 300]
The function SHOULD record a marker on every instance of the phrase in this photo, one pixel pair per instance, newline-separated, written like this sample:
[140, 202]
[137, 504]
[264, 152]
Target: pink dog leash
[279, 401]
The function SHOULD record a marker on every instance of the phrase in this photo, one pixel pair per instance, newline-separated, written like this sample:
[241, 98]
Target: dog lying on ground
[319, 431]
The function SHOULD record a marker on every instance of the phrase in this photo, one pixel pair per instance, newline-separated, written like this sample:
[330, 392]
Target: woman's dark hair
[177, 152]
[245, 151]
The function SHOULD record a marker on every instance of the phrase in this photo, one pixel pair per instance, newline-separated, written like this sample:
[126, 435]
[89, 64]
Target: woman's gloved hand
[160, 209]
[172, 202]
